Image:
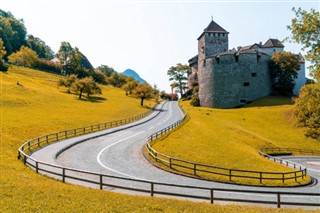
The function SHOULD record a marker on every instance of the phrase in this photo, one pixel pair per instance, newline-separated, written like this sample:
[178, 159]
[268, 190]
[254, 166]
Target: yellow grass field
[38, 107]
[231, 138]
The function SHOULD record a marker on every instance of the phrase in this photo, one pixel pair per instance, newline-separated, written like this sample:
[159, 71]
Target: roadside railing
[288, 151]
[229, 174]
[36, 143]
[102, 181]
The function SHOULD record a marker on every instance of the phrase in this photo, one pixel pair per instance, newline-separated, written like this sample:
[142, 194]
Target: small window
[254, 74]
[236, 57]
[246, 84]
[218, 60]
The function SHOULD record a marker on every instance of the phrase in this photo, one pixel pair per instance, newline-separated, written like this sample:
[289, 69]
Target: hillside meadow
[37, 107]
[231, 138]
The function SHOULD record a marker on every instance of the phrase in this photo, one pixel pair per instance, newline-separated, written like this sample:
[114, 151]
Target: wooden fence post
[152, 189]
[170, 161]
[278, 200]
[260, 177]
[101, 183]
[211, 196]
[37, 167]
[282, 177]
[230, 174]
[63, 174]
[195, 169]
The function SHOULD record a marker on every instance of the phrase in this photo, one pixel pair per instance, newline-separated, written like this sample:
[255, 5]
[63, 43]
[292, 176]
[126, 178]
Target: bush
[43, 64]
[307, 110]
[195, 101]
[3, 66]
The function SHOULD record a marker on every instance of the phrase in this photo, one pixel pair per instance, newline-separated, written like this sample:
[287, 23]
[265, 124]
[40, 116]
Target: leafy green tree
[305, 29]
[40, 47]
[24, 57]
[106, 70]
[117, 80]
[178, 74]
[99, 77]
[143, 91]
[67, 82]
[283, 69]
[3, 66]
[12, 32]
[130, 86]
[86, 85]
[307, 110]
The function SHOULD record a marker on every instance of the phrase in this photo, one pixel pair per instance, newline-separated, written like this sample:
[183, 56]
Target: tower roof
[273, 43]
[213, 27]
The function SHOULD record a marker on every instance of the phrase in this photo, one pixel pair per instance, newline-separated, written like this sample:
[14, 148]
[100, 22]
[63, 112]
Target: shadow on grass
[93, 99]
[270, 101]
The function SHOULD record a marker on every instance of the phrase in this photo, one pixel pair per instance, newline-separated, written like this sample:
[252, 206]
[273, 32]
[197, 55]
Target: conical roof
[213, 27]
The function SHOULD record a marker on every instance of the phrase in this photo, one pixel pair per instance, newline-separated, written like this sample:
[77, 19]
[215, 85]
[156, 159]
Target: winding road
[118, 152]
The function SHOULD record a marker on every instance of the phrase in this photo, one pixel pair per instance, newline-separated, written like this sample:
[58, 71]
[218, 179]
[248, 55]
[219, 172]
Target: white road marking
[107, 147]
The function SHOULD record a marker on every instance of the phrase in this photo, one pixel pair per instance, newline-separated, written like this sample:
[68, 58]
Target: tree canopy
[307, 110]
[283, 70]
[40, 47]
[24, 57]
[143, 91]
[305, 29]
[178, 74]
[12, 32]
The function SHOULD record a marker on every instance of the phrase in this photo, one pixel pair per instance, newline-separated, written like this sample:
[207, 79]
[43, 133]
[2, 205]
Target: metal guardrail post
[37, 167]
[260, 177]
[195, 169]
[230, 174]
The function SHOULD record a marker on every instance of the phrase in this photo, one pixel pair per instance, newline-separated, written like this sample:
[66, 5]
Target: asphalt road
[119, 152]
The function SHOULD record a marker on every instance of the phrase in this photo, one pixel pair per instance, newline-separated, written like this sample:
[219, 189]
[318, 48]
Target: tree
[67, 82]
[3, 66]
[283, 70]
[305, 29]
[40, 47]
[117, 80]
[99, 77]
[12, 32]
[173, 85]
[143, 91]
[86, 85]
[106, 70]
[307, 110]
[130, 86]
[178, 73]
[24, 57]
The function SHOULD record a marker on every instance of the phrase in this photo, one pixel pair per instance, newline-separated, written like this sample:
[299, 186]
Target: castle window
[246, 84]
[218, 59]
[258, 57]
[254, 74]
[218, 34]
[236, 58]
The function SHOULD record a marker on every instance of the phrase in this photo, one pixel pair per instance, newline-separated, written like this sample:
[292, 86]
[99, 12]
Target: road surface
[119, 152]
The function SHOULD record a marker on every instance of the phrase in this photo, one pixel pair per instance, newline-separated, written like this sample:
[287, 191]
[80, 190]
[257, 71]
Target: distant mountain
[133, 74]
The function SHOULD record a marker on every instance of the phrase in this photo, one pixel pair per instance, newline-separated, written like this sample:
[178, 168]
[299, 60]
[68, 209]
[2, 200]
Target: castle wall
[228, 84]
[300, 81]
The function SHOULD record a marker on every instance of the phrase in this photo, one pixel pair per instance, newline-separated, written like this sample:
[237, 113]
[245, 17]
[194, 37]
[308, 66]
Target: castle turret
[213, 40]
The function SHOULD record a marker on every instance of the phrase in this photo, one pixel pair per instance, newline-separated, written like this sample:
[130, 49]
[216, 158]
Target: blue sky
[151, 36]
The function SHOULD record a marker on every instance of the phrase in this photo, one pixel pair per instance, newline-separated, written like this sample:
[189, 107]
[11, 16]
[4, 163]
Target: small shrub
[195, 101]
[3, 66]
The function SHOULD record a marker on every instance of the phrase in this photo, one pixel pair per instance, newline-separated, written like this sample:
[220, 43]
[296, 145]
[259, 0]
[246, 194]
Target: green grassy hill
[231, 138]
[38, 107]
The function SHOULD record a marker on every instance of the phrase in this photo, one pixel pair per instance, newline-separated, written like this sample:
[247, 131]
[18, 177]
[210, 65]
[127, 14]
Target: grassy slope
[231, 138]
[38, 108]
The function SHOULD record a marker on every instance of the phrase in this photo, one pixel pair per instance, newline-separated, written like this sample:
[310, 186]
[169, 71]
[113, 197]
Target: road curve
[119, 152]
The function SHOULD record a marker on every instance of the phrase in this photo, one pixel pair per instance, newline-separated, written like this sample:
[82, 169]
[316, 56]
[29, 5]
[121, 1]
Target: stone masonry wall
[229, 84]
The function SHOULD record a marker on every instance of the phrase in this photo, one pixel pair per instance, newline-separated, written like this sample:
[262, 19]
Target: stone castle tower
[232, 78]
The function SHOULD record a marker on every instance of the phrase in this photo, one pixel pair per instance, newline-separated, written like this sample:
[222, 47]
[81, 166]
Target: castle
[231, 78]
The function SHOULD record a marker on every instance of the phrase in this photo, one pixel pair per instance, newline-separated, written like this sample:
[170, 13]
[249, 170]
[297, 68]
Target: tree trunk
[80, 93]
[142, 101]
